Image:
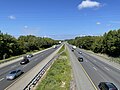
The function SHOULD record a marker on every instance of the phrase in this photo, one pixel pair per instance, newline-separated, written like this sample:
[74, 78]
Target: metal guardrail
[34, 81]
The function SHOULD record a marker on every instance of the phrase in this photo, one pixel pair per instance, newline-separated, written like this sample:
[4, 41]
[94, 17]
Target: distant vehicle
[24, 61]
[107, 86]
[30, 55]
[14, 74]
[60, 42]
[72, 50]
[80, 59]
[73, 47]
[55, 46]
[80, 52]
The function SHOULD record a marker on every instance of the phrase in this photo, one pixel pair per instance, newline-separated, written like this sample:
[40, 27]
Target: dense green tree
[109, 43]
[10, 46]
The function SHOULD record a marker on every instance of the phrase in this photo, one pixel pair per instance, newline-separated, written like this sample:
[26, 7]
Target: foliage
[59, 75]
[109, 43]
[10, 46]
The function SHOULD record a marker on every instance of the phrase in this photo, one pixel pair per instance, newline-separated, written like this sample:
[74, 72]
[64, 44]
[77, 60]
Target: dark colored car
[72, 50]
[107, 86]
[80, 59]
[24, 61]
[13, 74]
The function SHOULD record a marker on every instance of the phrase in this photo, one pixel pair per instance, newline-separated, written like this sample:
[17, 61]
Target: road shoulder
[81, 79]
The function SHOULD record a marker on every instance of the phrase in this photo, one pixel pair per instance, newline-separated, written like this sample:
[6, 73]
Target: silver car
[13, 74]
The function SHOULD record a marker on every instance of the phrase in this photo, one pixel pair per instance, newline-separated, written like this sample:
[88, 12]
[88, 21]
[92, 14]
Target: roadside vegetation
[11, 46]
[58, 76]
[62, 49]
[108, 44]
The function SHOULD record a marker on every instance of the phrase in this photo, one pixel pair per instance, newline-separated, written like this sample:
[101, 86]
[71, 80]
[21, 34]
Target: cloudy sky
[59, 19]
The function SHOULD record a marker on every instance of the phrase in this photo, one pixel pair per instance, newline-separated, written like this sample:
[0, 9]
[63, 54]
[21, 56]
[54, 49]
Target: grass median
[58, 76]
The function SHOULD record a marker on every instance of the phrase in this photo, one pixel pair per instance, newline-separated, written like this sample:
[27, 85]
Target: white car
[30, 55]
[74, 47]
[13, 74]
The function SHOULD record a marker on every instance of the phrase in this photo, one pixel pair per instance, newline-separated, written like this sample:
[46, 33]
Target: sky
[59, 19]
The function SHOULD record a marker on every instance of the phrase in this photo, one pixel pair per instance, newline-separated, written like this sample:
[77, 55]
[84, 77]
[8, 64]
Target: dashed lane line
[107, 68]
[1, 79]
[95, 68]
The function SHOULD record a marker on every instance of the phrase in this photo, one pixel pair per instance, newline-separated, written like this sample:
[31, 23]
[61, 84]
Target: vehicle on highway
[14, 74]
[80, 59]
[55, 46]
[107, 86]
[30, 55]
[80, 52]
[72, 50]
[74, 47]
[24, 61]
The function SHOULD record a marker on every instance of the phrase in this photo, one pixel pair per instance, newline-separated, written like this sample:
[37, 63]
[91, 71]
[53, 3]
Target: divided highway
[97, 70]
[33, 62]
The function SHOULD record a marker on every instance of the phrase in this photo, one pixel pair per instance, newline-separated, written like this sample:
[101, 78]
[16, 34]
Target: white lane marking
[95, 68]
[24, 66]
[107, 68]
[1, 79]
[13, 66]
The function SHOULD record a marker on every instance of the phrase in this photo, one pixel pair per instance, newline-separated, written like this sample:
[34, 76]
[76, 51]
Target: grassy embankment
[58, 76]
[112, 59]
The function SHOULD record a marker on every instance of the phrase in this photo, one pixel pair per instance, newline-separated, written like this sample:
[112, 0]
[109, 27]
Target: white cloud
[25, 27]
[12, 17]
[98, 23]
[88, 4]
[46, 36]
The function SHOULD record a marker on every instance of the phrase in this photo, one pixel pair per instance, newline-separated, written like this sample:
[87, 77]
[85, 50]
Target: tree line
[109, 43]
[11, 46]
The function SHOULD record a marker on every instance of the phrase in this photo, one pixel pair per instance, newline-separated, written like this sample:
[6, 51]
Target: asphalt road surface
[33, 62]
[97, 70]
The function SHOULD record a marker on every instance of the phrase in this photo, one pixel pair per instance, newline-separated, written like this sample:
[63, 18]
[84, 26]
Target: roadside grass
[63, 48]
[58, 76]
[117, 60]
[111, 59]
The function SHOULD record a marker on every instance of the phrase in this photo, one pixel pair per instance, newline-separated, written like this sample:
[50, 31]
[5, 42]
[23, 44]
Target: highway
[33, 62]
[97, 70]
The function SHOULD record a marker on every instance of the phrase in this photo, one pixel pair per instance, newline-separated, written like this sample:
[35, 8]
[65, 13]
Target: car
[14, 74]
[107, 86]
[80, 52]
[55, 46]
[72, 50]
[24, 61]
[30, 55]
[74, 47]
[80, 59]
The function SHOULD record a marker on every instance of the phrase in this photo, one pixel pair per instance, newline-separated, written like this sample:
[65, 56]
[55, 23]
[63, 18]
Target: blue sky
[59, 19]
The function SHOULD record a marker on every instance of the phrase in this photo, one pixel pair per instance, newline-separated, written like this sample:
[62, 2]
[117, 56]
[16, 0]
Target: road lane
[4, 70]
[98, 70]
[82, 81]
